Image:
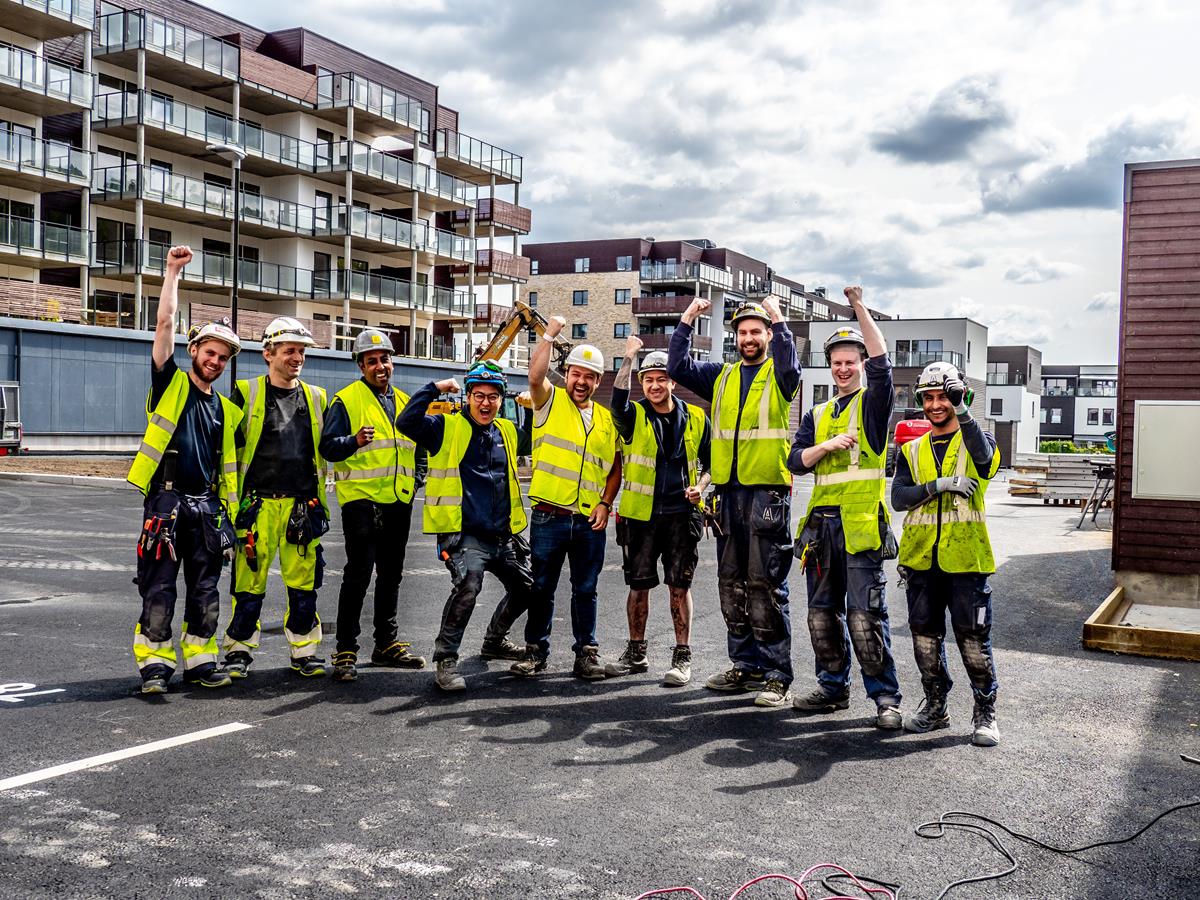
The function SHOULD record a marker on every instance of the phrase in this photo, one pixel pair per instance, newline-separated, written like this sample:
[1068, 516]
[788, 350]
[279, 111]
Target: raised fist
[178, 257]
[633, 344]
[853, 294]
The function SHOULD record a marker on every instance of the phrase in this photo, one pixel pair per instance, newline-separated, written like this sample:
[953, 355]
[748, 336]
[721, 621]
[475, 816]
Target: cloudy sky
[955, 158]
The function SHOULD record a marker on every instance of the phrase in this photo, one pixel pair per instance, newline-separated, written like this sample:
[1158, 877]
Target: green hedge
[1069, 447]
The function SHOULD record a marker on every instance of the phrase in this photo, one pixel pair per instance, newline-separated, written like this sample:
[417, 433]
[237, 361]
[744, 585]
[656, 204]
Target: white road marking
[105, 759]
[51, 532]
[64, 565]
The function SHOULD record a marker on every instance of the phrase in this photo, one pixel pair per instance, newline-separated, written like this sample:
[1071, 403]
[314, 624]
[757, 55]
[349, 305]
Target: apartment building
[358, 201]
[1079, 403]
[1014, 388]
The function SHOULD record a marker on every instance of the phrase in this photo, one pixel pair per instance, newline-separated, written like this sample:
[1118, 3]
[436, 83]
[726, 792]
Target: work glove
[956, 484]
[958, 394]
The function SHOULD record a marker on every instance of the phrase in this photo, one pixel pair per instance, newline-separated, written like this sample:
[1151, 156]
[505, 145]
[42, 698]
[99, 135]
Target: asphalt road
[555, 787]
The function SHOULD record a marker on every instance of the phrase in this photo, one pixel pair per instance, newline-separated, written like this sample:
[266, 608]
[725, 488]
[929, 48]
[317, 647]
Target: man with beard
[841, 539]
[945, 551]
[576, 474]
[186, 467]
[375, 473]
[750, 403]
[281, 483]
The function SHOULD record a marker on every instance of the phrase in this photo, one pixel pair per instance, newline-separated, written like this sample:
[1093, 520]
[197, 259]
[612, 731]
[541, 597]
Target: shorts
[674, 537]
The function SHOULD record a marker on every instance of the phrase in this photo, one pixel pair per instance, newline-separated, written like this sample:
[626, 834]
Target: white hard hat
[218, 331]
[586, 357]
[371, 339]
[933, 377]
[286, 330]
[654, 362]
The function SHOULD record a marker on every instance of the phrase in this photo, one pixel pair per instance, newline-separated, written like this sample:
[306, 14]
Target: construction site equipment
[1056, 477]
[1106, 474]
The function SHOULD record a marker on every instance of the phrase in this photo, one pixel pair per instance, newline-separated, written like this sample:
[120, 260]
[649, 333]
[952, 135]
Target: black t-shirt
[197, 436]
[283, 459]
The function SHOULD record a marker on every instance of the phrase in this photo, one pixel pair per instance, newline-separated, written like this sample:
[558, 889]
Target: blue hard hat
[486, 373]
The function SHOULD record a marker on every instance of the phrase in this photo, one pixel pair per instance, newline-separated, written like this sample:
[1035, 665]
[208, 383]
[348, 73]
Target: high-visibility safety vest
[162, 421]
[852, 480]
[254, 399]
[443, 486]
[758, 428]
[963, 544]
[384, 470]
[640, 453]
[570, 463]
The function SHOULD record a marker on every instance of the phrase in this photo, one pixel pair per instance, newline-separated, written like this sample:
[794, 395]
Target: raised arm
[168, 304]
[539, 363]
[622, 410]
[700, 378]
[876, 345]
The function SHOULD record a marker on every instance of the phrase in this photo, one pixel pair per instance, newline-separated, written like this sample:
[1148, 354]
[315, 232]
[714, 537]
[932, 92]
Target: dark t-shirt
[283, 459]
[197, 437]
[670, 468]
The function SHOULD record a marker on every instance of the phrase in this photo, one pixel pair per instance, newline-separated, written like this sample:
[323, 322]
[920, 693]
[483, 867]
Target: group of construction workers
[243, 480]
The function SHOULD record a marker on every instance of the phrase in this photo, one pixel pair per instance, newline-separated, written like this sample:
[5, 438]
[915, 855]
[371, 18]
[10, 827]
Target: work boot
[632, 661]
[212, 676]
[821, 701]
[447, 677]
[237, 664]
[888, 716]
[396, 655]
[735, 679]
[501, 648]
[987, 732]
[774, 695]
[155, 684]
[588, 665]
[680, 672]
[344, 668]
[530, 664]
[931, 715]
[308, 666]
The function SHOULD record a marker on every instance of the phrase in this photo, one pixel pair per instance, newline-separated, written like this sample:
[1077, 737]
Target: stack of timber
[1055, 477]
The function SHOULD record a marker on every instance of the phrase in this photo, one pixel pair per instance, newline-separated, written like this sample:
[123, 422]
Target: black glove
[958, 394]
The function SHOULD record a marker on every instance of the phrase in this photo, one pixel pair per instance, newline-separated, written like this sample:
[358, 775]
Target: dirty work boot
[529, 664]
[308, 666]
[631, 662]
[237, 664]
[447, 677]
[735, 679]
[888, 716]
[155, 684]
[987, 732]
[588, 665]
[344, 666]
[501, 648]
[680, 672]
[821, 701]
[931, 715]
[396, 655]
[211, 676]
[774, 695]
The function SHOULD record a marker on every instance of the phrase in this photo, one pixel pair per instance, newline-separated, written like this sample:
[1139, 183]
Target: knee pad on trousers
[828, 639]
[976, 660]
[733, 608]
[866, 634]
[766, 620]
[927, 648]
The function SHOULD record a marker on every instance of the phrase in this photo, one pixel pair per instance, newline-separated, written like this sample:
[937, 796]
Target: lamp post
[234, 156]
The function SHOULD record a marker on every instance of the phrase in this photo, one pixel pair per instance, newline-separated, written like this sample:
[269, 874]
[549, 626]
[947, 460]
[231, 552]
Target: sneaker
[155, 684]
[588, 665]
[308, 666]
[631, 662]
[237, 664]
[821, 701]
[447, 677]
[680, 672]
[987, 732]
[931, 715]
[888, 716]
[735, 679]
[396, 655]
[209, 677]
[530, 664]
[344, 666]
[501, 649]
[774, 695]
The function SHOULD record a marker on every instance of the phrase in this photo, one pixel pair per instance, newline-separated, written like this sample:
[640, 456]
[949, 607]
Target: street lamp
[234, 156]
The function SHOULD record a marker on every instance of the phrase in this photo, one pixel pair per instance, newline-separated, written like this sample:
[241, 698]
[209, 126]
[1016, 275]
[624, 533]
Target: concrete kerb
[94, 481]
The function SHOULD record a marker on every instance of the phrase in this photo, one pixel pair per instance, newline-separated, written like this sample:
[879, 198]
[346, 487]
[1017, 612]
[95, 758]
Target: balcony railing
[501, 213]
[490, 314]
[678, 272]
[28, 237]
[24, 69]
[1005, 378]
[370, 225]
[499, 264]
[909, 359]
[47, 302]
[396, 292]
[338, 155]
[49, 159]
[1085, 391]
[347, 89]
[454, 246]
[136, 28]
[78, 12]
[661, 306]
[473, 152]
[121, 258]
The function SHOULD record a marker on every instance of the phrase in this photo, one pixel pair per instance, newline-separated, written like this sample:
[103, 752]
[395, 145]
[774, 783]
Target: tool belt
[307, 522]
[158, 530]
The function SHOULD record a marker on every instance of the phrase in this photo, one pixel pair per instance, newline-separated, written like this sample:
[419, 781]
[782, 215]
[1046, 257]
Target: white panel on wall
[1160, 429]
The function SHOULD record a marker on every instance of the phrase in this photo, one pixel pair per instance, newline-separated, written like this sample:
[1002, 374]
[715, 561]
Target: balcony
[498, 265]
[46, 302]
[659, 272]
[490, 315]
[476, 160]
[174, 52]
[661, 306]
[40, 245]
[663, 341]
[48, 19]
[39, 165]
[1002, 379]
[384, 290]
[1086, 390]
[386, 175]
[907, 359]
[39, 86]
[381, 108]
[507, 218]
[372, 231]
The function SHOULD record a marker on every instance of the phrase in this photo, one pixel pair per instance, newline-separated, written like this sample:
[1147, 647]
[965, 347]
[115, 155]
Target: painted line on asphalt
[104, 759]
[64, 565]
[51, 532]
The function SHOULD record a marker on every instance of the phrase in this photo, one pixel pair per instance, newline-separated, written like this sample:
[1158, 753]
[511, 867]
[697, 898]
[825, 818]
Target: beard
[760, 353]
[202, 374]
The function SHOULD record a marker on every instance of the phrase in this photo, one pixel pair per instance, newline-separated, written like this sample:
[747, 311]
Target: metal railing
[78, 11]
[447, 243]
[397, 292]
[135, 28]
[1105, 391]
[658, 270]
[29, 237]
[51, 159]
[26, 70]
[370, 225]
[1005, 378]
[123, 257]
[480, 154]
[348, 89]
[336, 156]
[919, 359]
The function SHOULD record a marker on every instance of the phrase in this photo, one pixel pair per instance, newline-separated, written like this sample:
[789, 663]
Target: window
[621, 295]
[624, 263]
[616, 362]
[1042, 416]
[918, 353]
[1056, 417]
[579, 298]
[622, 330]
[1093, 417]
[1106, 416]
[820, 393]
[583, 264]
[531, 299]
[533, 267]
[997, 373]
[1057, 387]
[579, 332]
[968, 351]
[997, 406]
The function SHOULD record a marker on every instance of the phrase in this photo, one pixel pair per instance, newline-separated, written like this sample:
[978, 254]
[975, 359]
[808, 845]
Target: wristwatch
[605, 503]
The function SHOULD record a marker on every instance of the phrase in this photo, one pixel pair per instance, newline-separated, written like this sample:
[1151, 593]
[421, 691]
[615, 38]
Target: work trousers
[968, 597]
[468, 558]
[299, 565]
[376, 540]
[197, 553]
[556, 539]
[754, 556]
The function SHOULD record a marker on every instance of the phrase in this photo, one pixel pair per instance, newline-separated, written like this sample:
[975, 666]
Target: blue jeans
[555, 539]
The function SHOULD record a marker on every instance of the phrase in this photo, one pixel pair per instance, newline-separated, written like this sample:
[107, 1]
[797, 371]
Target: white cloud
[1035, 270]
[1105, 301]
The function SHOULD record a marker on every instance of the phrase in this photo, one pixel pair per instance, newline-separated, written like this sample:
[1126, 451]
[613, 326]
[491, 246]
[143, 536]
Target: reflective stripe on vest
[442, 512]
[962, 541]
[254, 396]
[570, 463]
[639, 457]
[760, 442]
[384, 470]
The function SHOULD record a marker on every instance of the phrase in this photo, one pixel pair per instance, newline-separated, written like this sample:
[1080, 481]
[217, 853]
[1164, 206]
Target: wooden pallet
[1108, 628]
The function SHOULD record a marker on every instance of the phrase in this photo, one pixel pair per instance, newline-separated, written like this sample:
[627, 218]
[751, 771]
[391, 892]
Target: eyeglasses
[485, 398]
